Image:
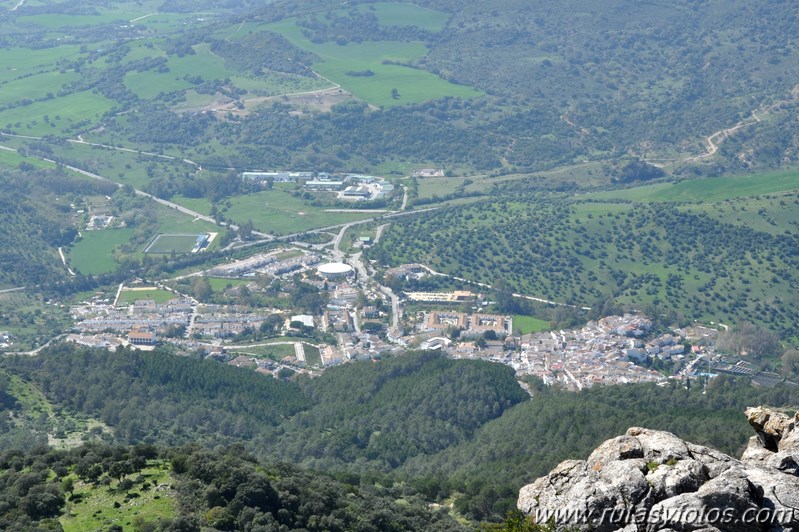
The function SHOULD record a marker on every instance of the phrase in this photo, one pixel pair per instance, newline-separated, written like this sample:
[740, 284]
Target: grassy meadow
[94, 253]
[412, 85]
[279, 213]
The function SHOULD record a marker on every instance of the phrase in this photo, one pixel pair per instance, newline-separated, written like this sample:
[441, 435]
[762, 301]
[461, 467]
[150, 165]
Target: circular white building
[334, 270]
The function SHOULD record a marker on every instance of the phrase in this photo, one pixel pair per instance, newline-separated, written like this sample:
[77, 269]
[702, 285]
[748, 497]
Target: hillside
[143, 487]
[390, 85]
[36, 219]
[460, 432]
[710, 249]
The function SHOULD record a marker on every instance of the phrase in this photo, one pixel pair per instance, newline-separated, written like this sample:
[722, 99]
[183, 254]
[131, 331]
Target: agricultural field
[412, 85]
[57, 115]
[13, 159]
[711, 189]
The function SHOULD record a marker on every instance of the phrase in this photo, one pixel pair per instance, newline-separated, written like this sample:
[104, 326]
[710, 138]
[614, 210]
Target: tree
[790, 363]
[201, 289]
[68, 485]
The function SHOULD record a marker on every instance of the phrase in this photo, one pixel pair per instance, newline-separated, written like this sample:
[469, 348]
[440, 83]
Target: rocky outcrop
[648, 480]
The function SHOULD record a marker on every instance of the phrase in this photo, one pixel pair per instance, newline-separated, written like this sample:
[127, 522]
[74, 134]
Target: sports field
[168, 243]
[128, 296]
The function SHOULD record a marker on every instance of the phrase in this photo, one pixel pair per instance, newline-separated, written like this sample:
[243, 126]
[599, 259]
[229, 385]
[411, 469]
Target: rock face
[648, 480]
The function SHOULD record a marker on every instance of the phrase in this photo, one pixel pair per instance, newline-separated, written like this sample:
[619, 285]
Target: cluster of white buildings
[346, 186]
[595, 354]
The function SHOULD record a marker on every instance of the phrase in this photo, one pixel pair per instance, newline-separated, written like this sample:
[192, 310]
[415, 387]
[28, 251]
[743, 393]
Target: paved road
[171, 205]
[9, 290]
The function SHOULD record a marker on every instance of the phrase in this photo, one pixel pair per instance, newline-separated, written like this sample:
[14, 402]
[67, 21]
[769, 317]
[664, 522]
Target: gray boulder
[648, 480]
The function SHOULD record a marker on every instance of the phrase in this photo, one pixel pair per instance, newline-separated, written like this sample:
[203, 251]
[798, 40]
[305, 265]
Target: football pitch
[178, 243]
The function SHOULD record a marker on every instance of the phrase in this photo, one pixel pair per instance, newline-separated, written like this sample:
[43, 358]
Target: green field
[57, 115]
[274, 352]
[312, 356]
[710, 189]
[412, 85]
[128, 296]
[168, 243]
[529, 324]
[18, 62]
[36, 86]
[280, 213]
[401, 14]
[94, 253]
[172, 221]
[13, 159]
[219, 284]
[202, 63]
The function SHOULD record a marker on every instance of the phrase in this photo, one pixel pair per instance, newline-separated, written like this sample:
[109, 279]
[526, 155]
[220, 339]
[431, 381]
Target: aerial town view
[377, 266]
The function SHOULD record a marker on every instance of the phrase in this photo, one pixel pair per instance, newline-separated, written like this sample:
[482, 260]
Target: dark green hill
[418, 423]
[100, 487]
[36, 220]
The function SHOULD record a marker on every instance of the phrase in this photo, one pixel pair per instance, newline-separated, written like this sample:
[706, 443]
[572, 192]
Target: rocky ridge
[649, 480]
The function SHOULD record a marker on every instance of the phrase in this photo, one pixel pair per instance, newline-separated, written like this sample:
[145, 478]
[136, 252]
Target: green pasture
[94, 253]
[56, 115]
[441, 186]
[402, 14]
[173, 221]
[128, 168]
[280, 213]
[529, 324]
[16, 62]
[120, 15]
[412, 85]
[13, 159]
[94, 508]
[36, 86]
[170, 22]
[202, 63]
[201, 205]
[126, 297]
[710, 189]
